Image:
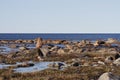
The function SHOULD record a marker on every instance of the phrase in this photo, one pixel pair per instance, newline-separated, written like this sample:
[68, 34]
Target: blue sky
[59, 16]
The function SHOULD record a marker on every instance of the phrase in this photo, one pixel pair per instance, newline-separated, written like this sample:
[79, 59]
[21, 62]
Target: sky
[59, 16]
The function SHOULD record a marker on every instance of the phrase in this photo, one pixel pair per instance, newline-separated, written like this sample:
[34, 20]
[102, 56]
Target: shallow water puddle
[2, 66]
[6, 49]
[37, 67]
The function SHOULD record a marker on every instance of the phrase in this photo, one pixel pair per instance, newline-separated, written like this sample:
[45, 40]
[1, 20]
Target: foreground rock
[108, 76]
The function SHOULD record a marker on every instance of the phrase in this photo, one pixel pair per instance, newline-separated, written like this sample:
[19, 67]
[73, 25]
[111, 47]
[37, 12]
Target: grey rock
[108, 76]
[22, 48]
[45, 51]
[117, 62]
[57, 65]
[109, 59]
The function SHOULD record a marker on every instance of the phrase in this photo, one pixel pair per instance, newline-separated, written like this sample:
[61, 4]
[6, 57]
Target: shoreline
[100, 55]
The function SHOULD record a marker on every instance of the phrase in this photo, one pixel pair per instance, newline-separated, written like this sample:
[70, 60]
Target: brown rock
[13, 46]
[111, 40]
[61, 51]
[39, 43]
[19, 41]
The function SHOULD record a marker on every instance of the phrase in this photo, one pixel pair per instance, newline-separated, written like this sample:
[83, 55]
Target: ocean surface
[56, 36]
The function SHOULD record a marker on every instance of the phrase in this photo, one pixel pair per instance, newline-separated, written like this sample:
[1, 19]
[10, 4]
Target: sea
[60, 36]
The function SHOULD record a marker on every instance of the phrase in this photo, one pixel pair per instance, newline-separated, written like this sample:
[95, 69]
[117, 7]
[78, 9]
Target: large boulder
[108, 76]
[45, 51]
[39, 43]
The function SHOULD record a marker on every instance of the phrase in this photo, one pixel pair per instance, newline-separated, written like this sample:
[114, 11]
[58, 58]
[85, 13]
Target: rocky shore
[76, 60]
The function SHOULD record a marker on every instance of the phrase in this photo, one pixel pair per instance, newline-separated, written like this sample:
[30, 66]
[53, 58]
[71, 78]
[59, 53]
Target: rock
[39, 43]
[1, 78]
[75, 64]
[56, 41]
[117, 56]
[65, 42]
[30, 41]
[4, 41]
[61, 51]
[13, 46]
[117, 62]
[79, 50]
[98, 43]
[84, 43]
[111, 41]
[86, 64]
[24, 41]
[69, 46]
[19, 41]
[72, 61]
[50, 46]
[44, 41]
[49, 41]
[45, 51]
[39, 58]
[27, 51]
[109, 59]
[100, 62]
[108, 76]
[56, 65]
[25, 64]
[23, 48]
[39, 52]
[54, 48]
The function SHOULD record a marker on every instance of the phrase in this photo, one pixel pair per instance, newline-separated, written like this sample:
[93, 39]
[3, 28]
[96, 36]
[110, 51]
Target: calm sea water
[14, 36]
